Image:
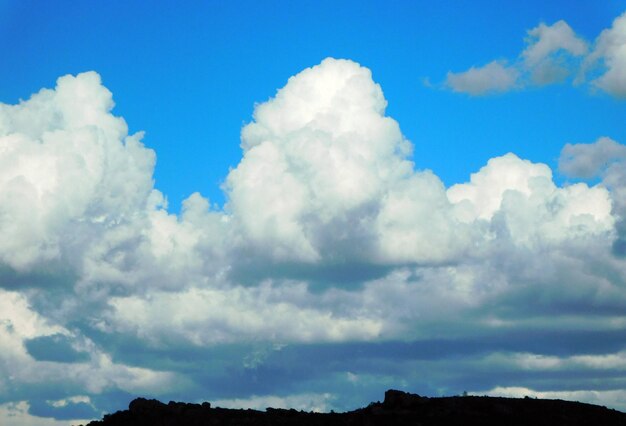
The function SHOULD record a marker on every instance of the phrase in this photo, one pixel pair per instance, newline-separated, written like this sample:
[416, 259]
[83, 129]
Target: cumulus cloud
[494, 77]
[322, 168]
[590, 160]
[609, 54]
[509, 189]
[604, 158]
[547, 50]
[553, 53]
[69, 171]
[125, 293]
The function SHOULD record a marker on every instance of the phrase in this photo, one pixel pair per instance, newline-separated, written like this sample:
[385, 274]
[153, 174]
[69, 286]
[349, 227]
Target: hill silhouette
[398, 408]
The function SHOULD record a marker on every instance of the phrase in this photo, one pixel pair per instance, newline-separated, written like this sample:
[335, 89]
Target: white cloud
[609, 54]
[532, 206]
[19, 370]
[487, 187]
[16, 414]
[494, 77]
[324, 168]
[607, 159]
[537, 362]
[68, 171]
[611, 398]
[282, 313]
[315, 402]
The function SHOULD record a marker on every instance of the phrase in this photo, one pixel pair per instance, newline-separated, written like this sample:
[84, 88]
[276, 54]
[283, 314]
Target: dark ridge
[398, 408]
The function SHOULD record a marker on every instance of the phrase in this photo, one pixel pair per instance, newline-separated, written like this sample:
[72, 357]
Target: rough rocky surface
[398, 408]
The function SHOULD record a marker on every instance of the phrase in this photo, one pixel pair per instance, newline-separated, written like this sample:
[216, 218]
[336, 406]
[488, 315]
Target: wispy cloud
[491, 78]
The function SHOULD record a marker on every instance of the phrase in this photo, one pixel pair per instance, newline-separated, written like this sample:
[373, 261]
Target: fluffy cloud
[609, 54]
[532, 206]
[553, 53]
[69, 172]
[331, 245]
[325, 177]
[604, 158]
[547, 51]
[590, 160]
[546, 59]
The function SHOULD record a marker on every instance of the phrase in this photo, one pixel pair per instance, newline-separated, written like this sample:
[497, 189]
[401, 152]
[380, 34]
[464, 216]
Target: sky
[303, 204]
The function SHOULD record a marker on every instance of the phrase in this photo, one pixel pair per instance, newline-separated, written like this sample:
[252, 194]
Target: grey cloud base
[553, 54]
[334, 271]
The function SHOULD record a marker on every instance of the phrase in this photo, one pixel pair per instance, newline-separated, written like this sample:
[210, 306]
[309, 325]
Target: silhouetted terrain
[398, 408]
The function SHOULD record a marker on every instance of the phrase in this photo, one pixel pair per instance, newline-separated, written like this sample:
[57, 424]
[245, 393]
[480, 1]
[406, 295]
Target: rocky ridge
[398, 408]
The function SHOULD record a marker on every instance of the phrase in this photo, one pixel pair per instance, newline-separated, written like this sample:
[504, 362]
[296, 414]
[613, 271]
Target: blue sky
[423, 195]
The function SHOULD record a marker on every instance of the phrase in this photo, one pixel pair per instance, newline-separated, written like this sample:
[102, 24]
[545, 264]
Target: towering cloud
[325, 176]
[68, 172]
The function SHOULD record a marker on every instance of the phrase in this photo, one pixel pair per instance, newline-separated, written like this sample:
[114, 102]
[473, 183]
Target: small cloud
[589, 160]
[491, 78]
[549, 46]
[609, 55]
[316, 402]
[611, 398]
[548, 58]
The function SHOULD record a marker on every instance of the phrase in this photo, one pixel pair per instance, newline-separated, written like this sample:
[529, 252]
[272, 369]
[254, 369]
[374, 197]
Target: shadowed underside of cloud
[331, 247]
[553, 54]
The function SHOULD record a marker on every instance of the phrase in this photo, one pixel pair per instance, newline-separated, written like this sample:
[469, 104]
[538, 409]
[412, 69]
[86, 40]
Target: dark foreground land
[398, 408]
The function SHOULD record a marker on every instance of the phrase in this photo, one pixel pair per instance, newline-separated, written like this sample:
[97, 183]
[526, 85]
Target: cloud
[551, 55]
[332, 246]
[609, 55]
[611, 398]
[554, 53]
[547, 51]
[69, 171]
[17, 414]
[509, 188]
[590, 160]
[494, 77]
[264, 313]
[318, 403]
[604, 158]
[324, 168]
